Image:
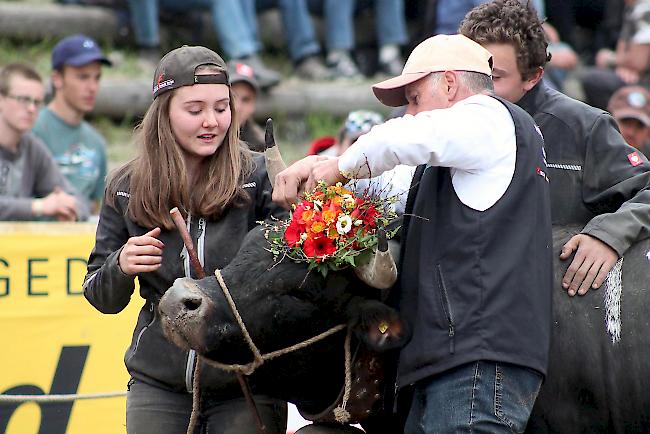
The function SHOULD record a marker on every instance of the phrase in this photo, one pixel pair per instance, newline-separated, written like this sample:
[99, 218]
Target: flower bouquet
[332, 228]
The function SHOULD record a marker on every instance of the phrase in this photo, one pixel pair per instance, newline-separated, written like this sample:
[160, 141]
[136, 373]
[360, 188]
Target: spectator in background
[563, 57]
[31, 185]
[246, 89]
[449, 14]
[356, 124]
[77, 147]
[235, 23]
[629, 64]
[630, 107]
[586, 25]
[390, 28]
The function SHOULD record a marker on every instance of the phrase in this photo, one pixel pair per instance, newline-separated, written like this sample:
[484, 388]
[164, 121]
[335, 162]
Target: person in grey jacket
[597, 180]
[31, 185]
[190, 158]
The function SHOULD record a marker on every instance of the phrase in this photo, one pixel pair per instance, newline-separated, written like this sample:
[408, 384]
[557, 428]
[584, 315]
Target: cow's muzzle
[183, 310]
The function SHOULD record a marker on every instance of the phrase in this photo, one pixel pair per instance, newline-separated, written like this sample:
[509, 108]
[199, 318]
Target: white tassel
[613, 294]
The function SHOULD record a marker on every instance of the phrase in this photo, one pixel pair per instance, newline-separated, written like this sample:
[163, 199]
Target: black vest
[476, 285]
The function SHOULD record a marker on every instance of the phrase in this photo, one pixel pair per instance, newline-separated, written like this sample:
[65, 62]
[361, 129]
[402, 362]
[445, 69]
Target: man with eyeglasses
[31, 185]
[77, 147]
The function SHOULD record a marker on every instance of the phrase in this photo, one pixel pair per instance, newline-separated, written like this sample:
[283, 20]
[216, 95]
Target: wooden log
[34, 22]
[130, 98]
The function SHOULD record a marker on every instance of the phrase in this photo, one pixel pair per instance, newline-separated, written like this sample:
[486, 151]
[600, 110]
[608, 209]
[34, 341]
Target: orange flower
[317, 226]
[329, 214]
[307, 216]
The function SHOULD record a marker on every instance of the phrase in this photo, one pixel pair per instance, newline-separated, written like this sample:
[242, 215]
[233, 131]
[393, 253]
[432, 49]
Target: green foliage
[321, 124]
[36, 54]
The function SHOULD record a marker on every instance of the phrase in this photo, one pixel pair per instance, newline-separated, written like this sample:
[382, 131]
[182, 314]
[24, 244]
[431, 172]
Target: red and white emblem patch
[634, 158]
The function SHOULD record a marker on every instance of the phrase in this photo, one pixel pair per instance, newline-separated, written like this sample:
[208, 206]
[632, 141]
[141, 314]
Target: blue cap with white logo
[77, 50]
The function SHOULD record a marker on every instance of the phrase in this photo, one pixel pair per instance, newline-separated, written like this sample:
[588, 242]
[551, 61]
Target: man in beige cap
[475, 281]
[630, 106]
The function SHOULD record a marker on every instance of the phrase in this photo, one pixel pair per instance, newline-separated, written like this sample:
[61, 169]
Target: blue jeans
[235, 23]
[152, 410]
[478, 397]
[390, 22]
[450, 13]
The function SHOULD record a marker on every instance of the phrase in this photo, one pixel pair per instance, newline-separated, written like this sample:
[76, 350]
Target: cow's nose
[191, 301]
[183, 298]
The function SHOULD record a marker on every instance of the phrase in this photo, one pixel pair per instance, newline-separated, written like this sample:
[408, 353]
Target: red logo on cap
[160, 79]
[243, 69]
[634, 158]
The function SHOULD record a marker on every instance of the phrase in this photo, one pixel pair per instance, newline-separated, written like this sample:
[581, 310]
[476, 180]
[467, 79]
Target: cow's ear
[376, 324]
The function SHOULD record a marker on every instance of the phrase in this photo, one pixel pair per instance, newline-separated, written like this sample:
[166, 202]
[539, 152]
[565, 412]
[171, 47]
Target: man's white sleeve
[461, 137]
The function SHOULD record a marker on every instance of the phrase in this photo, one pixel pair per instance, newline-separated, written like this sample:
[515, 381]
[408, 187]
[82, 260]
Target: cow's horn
[274, 162]
[380, 272]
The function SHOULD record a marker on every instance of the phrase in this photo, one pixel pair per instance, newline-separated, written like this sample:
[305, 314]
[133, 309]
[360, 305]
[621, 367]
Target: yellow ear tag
[383, 326]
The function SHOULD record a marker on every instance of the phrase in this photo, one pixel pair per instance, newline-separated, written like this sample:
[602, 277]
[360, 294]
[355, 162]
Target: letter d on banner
[55, 415]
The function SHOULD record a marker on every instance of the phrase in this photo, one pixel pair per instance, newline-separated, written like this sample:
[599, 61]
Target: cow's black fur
[593, 385]
[281, 305]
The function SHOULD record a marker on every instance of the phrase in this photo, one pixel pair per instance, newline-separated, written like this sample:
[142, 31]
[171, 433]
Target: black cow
[595, 385]
[281, 304]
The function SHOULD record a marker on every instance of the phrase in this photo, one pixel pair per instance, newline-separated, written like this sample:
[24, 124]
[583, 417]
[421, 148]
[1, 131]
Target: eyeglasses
[27, 100]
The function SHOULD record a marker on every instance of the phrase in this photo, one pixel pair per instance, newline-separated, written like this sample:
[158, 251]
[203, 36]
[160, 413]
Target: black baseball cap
[77, 50]
[178, 68]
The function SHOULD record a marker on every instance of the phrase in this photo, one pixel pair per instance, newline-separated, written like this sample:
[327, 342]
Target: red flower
[321, 246]
[297, 213]
[369, 216]
[292, 234]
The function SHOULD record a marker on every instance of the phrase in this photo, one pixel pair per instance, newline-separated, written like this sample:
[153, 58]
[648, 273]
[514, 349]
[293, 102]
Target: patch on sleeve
[634, 158]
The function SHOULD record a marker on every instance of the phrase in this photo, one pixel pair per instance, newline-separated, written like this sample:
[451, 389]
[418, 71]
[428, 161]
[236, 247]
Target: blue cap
[77, 50]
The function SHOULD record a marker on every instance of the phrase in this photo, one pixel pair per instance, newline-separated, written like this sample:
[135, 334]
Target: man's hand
[590, 266]
[142, 254]
[60, 205]
[292, 181]
[325, 170]
[629, 76]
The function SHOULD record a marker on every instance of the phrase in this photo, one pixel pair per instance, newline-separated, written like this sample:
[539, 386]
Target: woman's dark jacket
[151, 357]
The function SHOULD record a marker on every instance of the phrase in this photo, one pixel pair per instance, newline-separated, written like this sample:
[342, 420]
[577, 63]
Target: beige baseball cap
[435, 54]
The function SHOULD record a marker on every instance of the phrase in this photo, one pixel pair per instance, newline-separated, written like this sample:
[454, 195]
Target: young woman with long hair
[189, 157]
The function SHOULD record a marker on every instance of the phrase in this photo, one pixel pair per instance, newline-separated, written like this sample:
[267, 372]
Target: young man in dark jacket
[597, 180]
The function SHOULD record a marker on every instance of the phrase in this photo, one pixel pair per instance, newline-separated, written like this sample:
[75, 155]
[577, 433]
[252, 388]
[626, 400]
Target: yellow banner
[52, 341]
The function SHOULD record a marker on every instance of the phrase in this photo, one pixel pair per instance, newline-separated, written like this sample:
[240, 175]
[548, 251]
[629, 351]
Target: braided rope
[340, 413]
[59, 398]
[259, 358]
[196, 397]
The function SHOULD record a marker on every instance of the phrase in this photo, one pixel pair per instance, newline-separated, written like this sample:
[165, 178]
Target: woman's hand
[142, 254]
